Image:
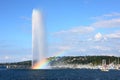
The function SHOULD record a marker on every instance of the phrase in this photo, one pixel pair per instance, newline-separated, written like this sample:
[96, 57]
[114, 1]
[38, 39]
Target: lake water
[58, 74]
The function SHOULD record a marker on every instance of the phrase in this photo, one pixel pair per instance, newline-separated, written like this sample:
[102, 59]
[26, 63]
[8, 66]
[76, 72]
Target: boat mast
[118, 60]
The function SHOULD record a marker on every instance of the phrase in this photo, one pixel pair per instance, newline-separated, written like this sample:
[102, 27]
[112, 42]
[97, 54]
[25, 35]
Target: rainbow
[41, 65]
[44, 63]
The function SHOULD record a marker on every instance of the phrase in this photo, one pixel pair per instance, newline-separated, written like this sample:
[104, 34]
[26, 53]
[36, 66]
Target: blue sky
[78, 27]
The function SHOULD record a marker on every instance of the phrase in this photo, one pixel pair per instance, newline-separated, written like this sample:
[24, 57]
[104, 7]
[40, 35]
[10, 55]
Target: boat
[104, 67]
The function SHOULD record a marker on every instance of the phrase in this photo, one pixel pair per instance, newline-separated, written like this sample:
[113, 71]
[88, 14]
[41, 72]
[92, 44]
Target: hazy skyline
[78, 27]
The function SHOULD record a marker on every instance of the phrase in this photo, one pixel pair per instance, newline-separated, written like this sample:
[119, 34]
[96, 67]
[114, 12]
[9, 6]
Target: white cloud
[25, 58]
[99, 44]
[83, 40]
[80, 30]
[80, 50]
[11, 58]
[107, 23]
[103, 48]
[113, 35]
[105, 37]
[7, 57]
[98, 36]
[14, 54]
[111, 15]
[107, 20]
[64, 47]
[112, 23]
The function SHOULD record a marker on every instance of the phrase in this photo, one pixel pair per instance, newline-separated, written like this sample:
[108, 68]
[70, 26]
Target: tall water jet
[38, 37]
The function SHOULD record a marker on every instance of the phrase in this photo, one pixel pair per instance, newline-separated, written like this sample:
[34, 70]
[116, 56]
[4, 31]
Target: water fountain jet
[38, 38]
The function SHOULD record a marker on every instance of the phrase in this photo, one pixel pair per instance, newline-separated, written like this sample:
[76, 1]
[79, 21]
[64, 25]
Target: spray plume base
[43, 64]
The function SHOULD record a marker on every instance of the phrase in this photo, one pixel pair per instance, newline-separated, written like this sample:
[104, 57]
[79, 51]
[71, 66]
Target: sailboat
[117, 66]
[104, 66]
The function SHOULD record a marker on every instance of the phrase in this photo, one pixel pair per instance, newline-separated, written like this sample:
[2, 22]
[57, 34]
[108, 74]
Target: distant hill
[93, 60]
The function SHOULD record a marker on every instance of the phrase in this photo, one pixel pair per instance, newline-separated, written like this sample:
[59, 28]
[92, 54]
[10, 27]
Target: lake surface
[58, 74]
